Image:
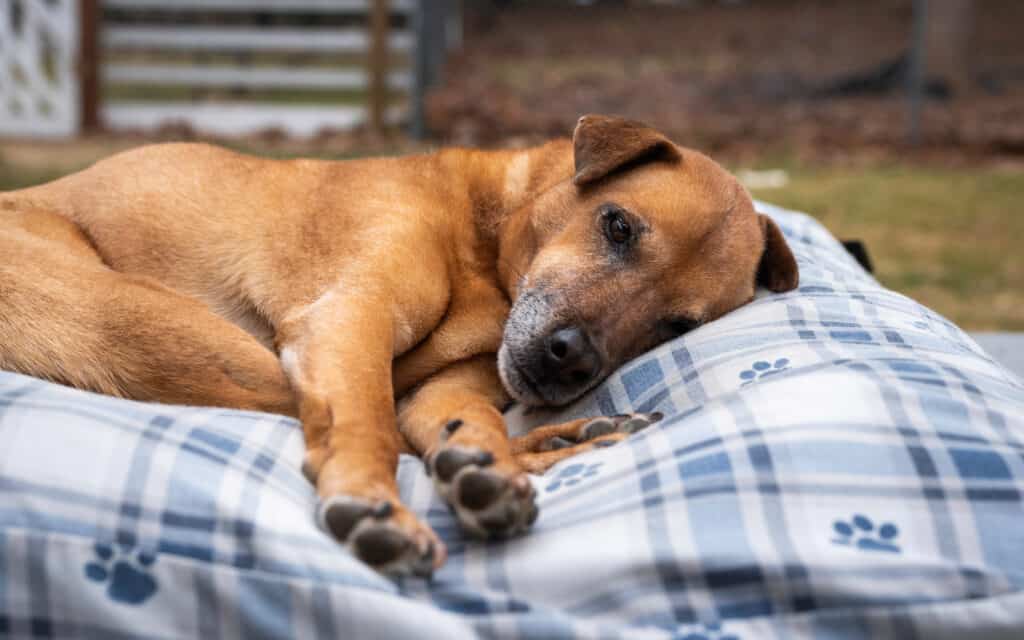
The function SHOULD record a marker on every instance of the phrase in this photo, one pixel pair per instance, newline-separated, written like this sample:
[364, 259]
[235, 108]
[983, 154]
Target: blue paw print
[763, 369]
[573, 474]
[710, 631]
[126, 582]
[860, 532]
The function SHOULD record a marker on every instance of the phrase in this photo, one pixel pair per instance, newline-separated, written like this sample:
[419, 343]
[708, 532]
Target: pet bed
[835, 462]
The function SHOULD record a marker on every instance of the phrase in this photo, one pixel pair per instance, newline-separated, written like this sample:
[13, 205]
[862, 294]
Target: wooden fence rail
[188, 38]
[275, 6]
[236, 66]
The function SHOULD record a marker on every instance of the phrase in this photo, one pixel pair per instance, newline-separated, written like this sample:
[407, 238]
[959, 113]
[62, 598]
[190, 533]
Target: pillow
[837, 461]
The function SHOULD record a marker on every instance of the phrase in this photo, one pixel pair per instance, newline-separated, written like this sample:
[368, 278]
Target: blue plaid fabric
[836, 462]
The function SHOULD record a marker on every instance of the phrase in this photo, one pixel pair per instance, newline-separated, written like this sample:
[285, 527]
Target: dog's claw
[558, 442]
[487, 501]
[372, 535]
[424, 565]
[597, 427]
[622, 423]
[640, 422]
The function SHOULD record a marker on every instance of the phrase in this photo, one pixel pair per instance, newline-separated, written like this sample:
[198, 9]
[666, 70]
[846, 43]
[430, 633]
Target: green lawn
[950, 238]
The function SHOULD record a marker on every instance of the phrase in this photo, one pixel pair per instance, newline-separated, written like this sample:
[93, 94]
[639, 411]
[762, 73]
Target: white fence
[216, 66]
[240, 68]
[39, 88]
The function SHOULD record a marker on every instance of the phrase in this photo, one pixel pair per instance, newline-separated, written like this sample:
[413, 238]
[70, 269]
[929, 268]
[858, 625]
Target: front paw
[489, 501]
[610, 429]
[386, 537]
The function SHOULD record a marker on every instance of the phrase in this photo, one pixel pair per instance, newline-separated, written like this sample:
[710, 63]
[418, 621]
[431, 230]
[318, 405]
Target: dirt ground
[733, 78]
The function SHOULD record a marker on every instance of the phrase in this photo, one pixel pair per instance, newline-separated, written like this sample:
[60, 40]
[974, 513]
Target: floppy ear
[602, 144]
[778, 271]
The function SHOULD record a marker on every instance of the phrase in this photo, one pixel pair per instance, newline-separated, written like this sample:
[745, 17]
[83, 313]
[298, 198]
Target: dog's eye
[617, 228]
[679, 325]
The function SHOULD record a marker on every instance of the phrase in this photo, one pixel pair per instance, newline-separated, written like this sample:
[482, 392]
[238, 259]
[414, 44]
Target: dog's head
[646, 242]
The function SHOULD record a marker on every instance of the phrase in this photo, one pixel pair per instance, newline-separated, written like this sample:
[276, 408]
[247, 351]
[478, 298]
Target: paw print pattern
[573, 474]
[710, 631]
[763, 369]
[127, 578]
[861, 533]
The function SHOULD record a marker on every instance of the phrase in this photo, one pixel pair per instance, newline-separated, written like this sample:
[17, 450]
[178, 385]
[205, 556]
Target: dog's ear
[778, 271]
[603, 144]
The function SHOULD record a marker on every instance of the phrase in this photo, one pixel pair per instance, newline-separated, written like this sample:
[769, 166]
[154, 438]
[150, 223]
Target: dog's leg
[453, 422]
[545, 446]
[337, 352]
[66, 317]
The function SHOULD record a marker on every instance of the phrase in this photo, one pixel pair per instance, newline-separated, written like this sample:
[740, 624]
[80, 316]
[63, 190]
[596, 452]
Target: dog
[390, 304]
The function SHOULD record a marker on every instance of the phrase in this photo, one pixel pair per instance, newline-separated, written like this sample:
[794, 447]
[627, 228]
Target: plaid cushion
[835, 462]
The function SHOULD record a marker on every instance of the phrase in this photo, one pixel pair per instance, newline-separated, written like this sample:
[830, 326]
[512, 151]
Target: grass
[950, 238]
[12, 177]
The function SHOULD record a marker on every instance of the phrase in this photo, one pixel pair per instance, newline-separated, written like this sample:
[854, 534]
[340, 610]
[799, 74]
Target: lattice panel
[39, 88]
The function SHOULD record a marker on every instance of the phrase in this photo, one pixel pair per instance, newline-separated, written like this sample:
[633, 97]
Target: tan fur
[187, 273]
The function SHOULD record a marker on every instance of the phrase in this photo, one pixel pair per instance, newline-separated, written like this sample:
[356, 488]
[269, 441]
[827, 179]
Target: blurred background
[898, 122]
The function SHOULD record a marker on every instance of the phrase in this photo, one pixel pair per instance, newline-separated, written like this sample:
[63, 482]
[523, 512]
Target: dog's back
[114, 279]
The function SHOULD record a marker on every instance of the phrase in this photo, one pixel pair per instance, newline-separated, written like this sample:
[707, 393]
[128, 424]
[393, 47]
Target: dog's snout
[570, 356]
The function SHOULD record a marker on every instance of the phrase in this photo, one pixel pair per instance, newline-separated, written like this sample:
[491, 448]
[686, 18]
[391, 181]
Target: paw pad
[624, 423]
[860, 532]
[763, 369]
[489, 502]
[124, 572]
[628, 423]
[573, 475]
[370, 532]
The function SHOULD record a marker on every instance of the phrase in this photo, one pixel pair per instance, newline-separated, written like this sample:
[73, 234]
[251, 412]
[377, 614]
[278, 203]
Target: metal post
[916, 75]
[432, 43]
[88, 65]
[435, 17]
[378, 62]
[420, 61]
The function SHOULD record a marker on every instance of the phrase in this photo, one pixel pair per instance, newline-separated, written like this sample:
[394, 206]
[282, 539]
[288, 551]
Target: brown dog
[388, 288]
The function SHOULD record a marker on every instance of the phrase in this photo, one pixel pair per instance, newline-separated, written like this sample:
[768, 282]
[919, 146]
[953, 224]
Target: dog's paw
[621, 425]
[489, 502]
[388, 538]
[624, 423]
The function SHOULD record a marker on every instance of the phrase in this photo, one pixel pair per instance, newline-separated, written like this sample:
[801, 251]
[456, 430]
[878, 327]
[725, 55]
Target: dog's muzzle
[541, 366]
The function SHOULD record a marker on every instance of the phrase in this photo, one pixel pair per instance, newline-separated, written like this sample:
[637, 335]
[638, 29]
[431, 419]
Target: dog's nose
[571, 357]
